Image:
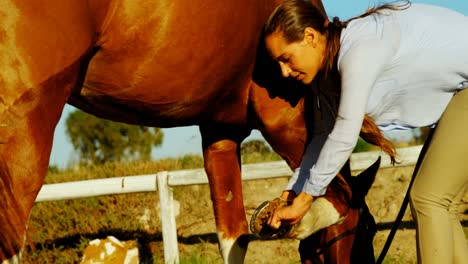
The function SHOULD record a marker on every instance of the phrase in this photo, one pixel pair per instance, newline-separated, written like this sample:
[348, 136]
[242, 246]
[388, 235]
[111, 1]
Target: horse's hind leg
[27, 123]
[41, 53]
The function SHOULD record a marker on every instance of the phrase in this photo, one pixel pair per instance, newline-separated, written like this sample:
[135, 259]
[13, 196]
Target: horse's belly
[164, 96]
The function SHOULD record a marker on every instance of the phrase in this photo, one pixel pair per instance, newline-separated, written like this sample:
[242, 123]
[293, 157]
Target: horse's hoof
[259, 221]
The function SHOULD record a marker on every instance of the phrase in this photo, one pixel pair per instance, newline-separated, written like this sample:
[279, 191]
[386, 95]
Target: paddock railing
[165, 181]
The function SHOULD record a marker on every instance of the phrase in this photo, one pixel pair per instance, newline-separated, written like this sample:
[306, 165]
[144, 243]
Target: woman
[404, 66]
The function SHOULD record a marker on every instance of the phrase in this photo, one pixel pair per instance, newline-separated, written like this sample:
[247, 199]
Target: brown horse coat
[154, 63]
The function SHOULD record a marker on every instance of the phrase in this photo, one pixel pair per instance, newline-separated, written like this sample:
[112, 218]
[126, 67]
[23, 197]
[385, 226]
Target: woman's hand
[293, 213]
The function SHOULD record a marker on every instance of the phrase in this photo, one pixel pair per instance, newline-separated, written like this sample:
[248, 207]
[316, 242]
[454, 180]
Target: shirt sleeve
[359, 68]
[302, 173]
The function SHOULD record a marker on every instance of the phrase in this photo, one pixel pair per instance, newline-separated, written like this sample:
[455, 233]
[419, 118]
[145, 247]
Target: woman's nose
[285, 70]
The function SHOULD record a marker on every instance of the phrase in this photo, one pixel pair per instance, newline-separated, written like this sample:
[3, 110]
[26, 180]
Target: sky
[184, 140]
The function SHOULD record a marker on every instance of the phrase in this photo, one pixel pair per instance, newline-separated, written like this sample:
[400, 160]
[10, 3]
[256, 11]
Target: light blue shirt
[401, 68]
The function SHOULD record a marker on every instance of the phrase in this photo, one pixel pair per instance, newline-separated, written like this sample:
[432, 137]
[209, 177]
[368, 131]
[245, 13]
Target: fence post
[169, 228]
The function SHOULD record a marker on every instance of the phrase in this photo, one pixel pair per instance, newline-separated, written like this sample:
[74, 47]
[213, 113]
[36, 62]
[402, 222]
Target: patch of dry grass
[60, 230]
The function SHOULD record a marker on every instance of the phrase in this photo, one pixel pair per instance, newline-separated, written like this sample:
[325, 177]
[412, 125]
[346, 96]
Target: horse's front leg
[222, 165]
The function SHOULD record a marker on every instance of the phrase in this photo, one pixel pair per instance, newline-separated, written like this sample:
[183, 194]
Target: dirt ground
[196, 221]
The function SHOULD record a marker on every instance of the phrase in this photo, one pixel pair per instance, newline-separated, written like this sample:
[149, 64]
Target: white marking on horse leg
[230, 250]
[321, 214]
[14, 260]
[229, 197]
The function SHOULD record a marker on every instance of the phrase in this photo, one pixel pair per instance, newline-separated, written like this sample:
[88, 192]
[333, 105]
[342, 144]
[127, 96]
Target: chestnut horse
[154, 63]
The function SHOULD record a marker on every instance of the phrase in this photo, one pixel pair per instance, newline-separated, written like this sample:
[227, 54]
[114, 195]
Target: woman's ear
[310, 36]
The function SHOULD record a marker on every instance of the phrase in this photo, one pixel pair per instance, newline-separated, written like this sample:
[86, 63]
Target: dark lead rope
[404, 205]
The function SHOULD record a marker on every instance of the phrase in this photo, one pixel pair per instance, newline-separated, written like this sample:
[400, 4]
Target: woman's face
[300, 60]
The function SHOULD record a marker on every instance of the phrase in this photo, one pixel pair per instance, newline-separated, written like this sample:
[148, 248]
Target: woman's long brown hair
[371, 133]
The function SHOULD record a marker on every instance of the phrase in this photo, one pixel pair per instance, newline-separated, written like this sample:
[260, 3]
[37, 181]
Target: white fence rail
[165, 181]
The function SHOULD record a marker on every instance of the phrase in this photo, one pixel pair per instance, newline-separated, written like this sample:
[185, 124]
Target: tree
[255, 146]
[254, 151]
[99, 140]
[362, 146]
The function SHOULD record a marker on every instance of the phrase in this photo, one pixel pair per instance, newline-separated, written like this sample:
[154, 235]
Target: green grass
[200, 254]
